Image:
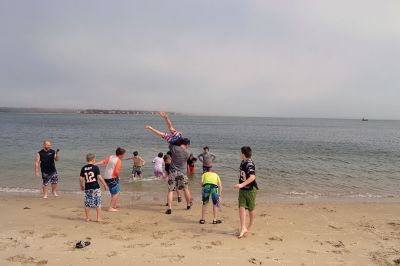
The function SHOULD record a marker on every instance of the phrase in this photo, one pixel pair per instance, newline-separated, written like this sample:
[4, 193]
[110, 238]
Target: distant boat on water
[364, 119]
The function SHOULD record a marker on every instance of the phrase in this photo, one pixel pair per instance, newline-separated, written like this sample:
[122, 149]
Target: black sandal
[202, 221]
[190, 206]
[217, 221]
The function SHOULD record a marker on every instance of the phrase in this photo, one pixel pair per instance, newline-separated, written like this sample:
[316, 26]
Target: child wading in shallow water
[89, 177]
[247, 190]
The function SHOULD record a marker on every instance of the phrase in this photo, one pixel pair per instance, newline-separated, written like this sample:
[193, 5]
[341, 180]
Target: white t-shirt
[158, 163]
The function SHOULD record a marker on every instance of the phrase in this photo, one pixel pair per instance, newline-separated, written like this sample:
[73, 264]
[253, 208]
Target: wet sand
[34, 231]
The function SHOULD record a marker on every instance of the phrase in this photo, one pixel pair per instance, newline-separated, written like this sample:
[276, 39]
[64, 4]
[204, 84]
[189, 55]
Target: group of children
[211, 183]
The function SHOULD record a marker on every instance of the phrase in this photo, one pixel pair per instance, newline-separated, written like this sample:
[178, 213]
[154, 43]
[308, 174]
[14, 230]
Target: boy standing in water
[90, 174]
[212, 187]
[207, 158]
[190, 165]
[111, 176]
[247, 190]
[138, 163]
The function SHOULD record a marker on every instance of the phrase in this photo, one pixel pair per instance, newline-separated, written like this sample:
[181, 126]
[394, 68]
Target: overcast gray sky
[262, 58]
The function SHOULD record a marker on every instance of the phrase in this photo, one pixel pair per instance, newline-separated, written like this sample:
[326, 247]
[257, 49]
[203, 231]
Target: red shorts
[191, 169]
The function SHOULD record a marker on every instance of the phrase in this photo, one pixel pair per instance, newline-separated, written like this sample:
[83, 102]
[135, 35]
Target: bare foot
[99, 220]
[112, 210]
[243, 233]
[55, 194]
[87, 220]
[45, 196]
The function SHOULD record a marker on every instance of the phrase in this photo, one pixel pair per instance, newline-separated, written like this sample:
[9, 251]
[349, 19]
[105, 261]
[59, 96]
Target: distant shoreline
[77, 111]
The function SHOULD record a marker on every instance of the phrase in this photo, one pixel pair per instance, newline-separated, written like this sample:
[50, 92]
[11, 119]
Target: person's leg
[98, 214]
[178, 194]
[113, 203]
[203, 211]
[54, 189]
[45, 191]
[167, 121]
[252, 216]
[187, 196]
[87, 213]
[169, 200]
[214, 212]
[243, 228]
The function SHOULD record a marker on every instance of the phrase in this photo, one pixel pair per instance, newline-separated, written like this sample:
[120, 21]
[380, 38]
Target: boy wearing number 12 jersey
[89, 177]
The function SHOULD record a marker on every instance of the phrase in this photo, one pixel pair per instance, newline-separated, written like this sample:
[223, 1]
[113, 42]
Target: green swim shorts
[247, 199]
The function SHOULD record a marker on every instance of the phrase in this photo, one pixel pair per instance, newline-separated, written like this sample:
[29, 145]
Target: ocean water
[295, 158]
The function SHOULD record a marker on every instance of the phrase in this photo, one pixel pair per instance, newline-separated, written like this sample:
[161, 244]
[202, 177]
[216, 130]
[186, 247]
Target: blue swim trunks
[210, 190]
[113, 185]
[92, 198]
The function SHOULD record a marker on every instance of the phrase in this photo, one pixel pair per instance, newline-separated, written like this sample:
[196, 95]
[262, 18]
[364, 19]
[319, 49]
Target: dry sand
[43, 232]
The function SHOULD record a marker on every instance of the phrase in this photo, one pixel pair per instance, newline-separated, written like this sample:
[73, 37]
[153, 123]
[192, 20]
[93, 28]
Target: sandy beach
[43, 232]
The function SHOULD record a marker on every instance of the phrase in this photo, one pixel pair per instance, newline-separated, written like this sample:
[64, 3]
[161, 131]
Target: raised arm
[37, 160]
[105, 161]
[155, 131]
[57, 155]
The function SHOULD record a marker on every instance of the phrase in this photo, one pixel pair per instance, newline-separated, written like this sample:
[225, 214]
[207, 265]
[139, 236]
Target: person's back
[210, 178]
[179, 158]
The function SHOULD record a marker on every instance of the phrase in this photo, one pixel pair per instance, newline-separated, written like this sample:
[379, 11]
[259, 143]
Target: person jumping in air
[247, 190]
[174, 137]
[111, 176]
[212, 187]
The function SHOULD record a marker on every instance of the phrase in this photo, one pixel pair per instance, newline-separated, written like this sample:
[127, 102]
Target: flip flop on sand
[217, 221]
[202, 221]
[82, 244]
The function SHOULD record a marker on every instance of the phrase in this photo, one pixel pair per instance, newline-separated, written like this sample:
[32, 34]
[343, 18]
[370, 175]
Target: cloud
[264, 58]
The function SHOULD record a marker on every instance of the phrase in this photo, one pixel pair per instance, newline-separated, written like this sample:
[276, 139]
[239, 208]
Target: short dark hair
[120, 151]
[90, 157]
[160, 154]
[169, 152]
[246, 150]
[206, 148]
[135, 153]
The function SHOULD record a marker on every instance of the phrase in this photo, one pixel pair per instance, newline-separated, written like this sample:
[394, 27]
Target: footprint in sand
[276, 238]
[174, 258]
[335, 227]
[22, 259]
[328, 210]
[255, 261]
[49, 235]
[216, 243]
[386, 257]
[336, 244]
[198, 247]
[168, 244]
[112, 254]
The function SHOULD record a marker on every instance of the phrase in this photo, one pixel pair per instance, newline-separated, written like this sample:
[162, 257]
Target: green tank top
[210, 178]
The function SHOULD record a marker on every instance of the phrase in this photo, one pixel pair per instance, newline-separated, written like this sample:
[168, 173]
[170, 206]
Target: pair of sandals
[202, 221]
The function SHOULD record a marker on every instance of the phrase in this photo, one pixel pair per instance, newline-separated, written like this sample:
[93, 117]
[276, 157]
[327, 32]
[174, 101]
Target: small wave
[19, 190]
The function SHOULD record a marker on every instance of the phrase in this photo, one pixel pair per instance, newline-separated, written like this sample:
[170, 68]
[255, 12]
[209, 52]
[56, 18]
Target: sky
[334, 58]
